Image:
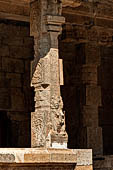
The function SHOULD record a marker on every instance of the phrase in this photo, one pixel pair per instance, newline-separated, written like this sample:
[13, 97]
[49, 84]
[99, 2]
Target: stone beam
[16, 2]
[91, 8]
[14, 10]
[19, 10]
[14, 17]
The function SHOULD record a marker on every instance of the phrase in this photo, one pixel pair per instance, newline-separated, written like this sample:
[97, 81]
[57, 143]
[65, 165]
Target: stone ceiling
[19, 9]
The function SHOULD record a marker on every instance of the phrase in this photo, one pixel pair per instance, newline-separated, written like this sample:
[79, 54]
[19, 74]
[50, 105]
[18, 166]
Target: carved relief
[38, 127]
[37, 76]
[35, 18]
[49, 116]
[46, 71]
[55, 7]
[57, 114]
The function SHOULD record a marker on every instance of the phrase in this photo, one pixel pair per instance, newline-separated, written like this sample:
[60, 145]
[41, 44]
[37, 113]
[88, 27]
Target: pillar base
[46, 159]
[59, 141]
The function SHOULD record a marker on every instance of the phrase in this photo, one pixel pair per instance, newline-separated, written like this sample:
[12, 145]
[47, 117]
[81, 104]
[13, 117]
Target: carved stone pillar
[47, 122]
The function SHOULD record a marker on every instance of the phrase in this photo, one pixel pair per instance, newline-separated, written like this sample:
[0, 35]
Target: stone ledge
[103, 162]
[34, 155]
[79, 157]
[84, 157]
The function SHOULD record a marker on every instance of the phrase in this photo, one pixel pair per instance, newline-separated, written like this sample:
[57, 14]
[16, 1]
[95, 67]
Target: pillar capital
[54, 28]
[54, 21]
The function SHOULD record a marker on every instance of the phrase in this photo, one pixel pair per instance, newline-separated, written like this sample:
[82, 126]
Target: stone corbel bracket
[54, 23]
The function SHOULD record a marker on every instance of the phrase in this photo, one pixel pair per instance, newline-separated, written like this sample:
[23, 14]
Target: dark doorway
[16, 94]
[4, 129]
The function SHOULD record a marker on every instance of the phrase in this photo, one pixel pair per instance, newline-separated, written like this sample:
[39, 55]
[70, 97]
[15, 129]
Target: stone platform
[103, 162]
[45, 159]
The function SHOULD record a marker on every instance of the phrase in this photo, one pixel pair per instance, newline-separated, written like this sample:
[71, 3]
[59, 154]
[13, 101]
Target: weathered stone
[15, 91]
[90, 116]
[84, 167]
[95, 133]
[5, 98]
[46, 72]
[84, 157]
[104, 163]
[21, 52]
[93, 95]
[86, 49]
[15, 79]
[4, 51]
[7, 158]
[10, 65]
[17, 100]
[33, 158]
[89, 74]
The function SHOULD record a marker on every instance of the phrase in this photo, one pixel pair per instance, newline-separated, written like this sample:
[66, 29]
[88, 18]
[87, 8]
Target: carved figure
[57, 115]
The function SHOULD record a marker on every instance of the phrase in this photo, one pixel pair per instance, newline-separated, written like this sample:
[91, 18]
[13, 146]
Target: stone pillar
[90, 109]
[47, 122]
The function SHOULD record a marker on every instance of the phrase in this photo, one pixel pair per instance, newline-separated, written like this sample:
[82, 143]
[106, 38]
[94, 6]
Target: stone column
[90, 109]
[47, 121]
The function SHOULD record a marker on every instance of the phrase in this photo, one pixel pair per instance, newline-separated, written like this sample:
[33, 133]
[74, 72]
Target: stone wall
[16, 95]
